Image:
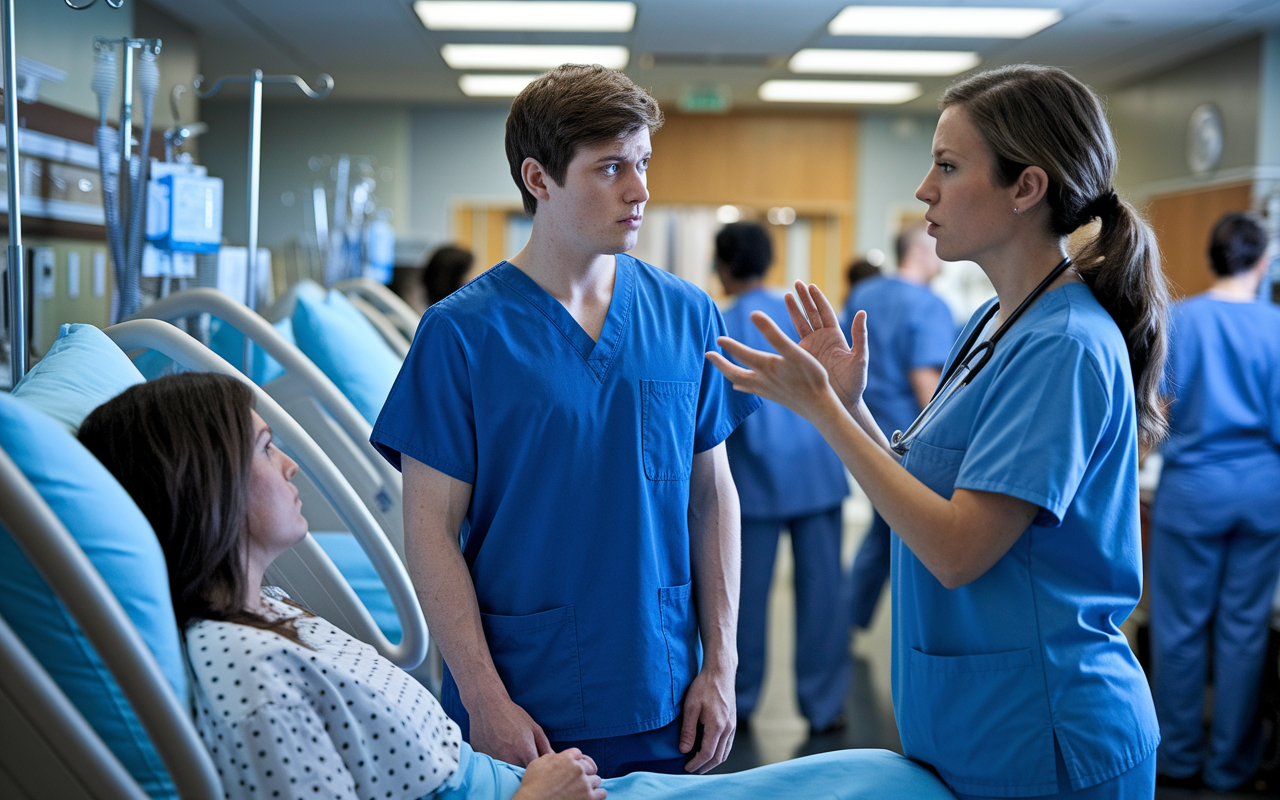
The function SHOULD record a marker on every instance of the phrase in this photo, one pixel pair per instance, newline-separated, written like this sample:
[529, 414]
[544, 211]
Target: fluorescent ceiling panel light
[995, 23]
[532, 56]
[494, 85]
[782, 91]
[883, 62]
[503, 15]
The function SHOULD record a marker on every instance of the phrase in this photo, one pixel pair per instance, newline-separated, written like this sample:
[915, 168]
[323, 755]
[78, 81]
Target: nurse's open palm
[820, 336]
[792, 376]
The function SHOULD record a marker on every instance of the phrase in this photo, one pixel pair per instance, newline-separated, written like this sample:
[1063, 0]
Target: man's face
[599, 208]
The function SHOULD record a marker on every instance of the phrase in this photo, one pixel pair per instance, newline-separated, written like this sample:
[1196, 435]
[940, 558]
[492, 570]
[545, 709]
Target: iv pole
[16, 267]
[255, 158]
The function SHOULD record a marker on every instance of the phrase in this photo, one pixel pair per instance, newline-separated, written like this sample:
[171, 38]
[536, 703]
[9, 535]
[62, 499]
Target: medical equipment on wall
[125, 218]
[969, 361]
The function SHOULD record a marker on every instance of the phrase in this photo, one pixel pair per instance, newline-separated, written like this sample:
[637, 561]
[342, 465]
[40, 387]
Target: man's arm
[715, 544]
[924, 380]
[435, 505]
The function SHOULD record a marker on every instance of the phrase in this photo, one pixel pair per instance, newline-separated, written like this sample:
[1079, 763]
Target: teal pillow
[228, 342]
[348, 349]
[119, 542]
[82, 370]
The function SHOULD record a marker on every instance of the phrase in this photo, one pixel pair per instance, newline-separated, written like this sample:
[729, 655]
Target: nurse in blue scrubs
[787, 477]
[1215, 536]
[1014, 497]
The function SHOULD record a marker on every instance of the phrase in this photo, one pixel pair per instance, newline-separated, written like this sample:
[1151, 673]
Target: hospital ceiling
[378, 50]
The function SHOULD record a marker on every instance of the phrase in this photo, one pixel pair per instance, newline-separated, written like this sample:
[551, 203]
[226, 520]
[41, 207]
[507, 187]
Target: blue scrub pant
[870, 570]
[657, 750]
[1210, 591]
[823, 666]
[840, 775]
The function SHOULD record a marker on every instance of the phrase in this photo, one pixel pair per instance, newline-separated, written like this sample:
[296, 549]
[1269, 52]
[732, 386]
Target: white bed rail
[305, 571]
[73, 578]
[330, 418]
[400, 313]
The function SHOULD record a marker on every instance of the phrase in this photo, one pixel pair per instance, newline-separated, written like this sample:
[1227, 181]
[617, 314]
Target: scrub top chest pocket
[668, 413]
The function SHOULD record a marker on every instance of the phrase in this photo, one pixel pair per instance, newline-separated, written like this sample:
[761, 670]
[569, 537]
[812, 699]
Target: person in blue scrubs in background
[787, 477]
[907, 343]
[571, 525]
[1014, 504]
[1215, 533]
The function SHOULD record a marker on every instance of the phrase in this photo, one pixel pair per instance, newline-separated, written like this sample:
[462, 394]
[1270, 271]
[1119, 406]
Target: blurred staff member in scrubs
[908, 338]
[446, 272]
[1014, 503]
[1215, 539]
[567, 493]
[787, 477]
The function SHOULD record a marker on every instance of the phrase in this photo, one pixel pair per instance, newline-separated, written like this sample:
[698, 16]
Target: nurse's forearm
[715, 547]
[957, 540]
[862, 415]
[435, 506]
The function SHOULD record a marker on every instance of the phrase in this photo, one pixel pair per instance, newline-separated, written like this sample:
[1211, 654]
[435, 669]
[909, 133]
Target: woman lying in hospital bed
[290, 706]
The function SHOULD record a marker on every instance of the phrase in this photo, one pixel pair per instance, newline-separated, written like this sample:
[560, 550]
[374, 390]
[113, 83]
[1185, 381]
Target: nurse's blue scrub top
[580, 454]
[782, 466]
[987, 675]
[1224, 422]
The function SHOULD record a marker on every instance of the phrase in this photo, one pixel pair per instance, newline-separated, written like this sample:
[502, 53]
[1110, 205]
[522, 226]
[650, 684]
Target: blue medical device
[186, 213]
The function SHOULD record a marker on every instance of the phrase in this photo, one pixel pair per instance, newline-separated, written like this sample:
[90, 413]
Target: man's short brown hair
[571, 106]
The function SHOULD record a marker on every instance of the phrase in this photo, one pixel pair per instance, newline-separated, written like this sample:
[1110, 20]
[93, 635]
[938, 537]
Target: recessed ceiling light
[494, 85]
[503, 15]
[996, 23]
[883, 62]
[532, 56]
[783, 91]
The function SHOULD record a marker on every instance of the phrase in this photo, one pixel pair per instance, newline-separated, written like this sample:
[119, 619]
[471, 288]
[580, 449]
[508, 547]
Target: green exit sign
[705, 99]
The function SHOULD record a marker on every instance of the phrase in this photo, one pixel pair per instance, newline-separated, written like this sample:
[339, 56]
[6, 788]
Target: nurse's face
[275, 511]
[969, 214]
[599, 208]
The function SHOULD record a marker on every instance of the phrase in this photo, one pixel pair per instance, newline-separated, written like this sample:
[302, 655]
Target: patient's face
[275, 512]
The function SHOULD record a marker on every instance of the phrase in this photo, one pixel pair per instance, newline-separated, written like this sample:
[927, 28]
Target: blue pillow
[82, 370]
[119, 542]
[348, 349]
[228, 342]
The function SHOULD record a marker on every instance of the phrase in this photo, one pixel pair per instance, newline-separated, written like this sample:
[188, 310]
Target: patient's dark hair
[182, 447]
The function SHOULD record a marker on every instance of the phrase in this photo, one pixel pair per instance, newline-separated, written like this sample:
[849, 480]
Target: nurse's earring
[1015, 209]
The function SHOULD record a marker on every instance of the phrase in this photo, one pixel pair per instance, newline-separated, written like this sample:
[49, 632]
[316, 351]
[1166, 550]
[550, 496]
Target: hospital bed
[384, 308]
[48, 750]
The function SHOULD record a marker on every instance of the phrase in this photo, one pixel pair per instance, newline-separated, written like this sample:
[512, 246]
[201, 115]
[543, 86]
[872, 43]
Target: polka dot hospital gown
[339, 721]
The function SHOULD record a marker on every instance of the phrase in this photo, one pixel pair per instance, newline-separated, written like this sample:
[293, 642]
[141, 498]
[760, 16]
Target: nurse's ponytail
[1042, 116]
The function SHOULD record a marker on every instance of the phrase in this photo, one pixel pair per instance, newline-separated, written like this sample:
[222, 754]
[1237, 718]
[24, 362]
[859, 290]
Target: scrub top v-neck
[580, 454]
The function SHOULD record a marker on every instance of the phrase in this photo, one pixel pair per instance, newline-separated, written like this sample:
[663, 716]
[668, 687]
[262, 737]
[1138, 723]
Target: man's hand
[710, 702]
[505, 731]
[570, 775]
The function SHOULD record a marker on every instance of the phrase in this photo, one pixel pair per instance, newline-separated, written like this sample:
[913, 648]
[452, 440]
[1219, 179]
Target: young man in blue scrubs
[909, 338]
[787, 477]
[570, 521]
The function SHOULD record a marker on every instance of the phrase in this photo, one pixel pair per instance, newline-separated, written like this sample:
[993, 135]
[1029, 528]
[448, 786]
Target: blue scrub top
[580, 454]
[782, 466]
[987, 675]
[908, 327]
[1223, 375]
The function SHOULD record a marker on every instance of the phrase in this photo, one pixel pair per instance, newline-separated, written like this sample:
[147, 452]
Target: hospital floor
[777, 730]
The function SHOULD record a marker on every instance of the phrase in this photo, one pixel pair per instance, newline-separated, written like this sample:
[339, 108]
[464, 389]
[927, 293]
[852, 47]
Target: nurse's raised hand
[792, 377]
[820, 335]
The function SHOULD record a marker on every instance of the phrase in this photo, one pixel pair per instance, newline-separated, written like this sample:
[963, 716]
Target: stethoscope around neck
[970, 361]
